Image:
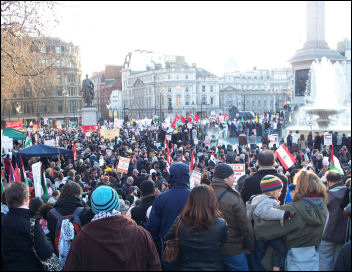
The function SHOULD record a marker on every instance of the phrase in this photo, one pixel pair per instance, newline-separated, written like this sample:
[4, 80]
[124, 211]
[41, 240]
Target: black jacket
[200, 250]
[17, 243]
[66, 206]
[251, 185]
[139, 213]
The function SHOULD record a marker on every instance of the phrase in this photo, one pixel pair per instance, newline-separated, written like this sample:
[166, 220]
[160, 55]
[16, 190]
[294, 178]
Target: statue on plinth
[88, 91]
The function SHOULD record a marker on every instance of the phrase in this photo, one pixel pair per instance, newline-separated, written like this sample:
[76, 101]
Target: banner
[95, 128]
[273, 138]
[6, 144]
[51, 142]
[36, 127]
[123, 165]
[110, 133]
[14, 124]
[327, 139]
[195, 179]
[37, 179]
[239, 171]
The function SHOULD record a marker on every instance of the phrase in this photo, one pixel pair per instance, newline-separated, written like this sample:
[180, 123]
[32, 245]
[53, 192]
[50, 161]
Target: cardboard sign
[38, 189]
[14, 124]
[110, 133]
[195, 179]
[123, 165]
[239, 170]
[327, 139]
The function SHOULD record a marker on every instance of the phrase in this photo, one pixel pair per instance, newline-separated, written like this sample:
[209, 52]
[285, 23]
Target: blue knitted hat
[105, 199]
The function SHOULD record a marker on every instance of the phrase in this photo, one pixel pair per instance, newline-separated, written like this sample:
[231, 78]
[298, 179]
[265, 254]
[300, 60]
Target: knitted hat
[147, 187]
[223, 171]
[104, 199]
[270, 183]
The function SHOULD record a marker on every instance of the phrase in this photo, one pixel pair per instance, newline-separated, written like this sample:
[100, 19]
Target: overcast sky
[214, 35]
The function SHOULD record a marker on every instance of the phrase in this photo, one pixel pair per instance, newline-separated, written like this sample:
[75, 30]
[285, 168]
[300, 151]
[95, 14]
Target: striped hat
[104, 199]
[270, 183]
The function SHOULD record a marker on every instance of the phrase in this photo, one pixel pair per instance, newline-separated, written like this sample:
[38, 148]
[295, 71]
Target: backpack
[68, 225]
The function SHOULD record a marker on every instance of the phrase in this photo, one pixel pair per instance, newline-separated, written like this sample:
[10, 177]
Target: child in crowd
[263, 207]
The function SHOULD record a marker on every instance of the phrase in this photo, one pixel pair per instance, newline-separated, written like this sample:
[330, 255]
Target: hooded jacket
[168, 205]
[112, 243]
[264, 207]
[336, 227]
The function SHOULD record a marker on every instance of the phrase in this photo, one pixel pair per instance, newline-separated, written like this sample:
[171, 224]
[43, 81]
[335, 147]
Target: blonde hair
[307, 183]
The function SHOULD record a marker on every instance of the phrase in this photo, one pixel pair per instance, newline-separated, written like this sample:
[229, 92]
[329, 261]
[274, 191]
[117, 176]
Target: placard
[91, 128]
[110, 133]
[50, 142]
[195, 179]
[195, 141]
[327, 139]
[168, 137]
[189, 125]
[6, 144]
[123, 165]
[239, 171]
[273, 138]
[38, 189]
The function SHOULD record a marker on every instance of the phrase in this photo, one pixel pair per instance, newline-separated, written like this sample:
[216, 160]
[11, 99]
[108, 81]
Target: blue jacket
[168, 205]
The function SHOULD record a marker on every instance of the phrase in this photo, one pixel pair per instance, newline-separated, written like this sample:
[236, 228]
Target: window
[57, 50]
[186, 76]
[187, 100]
[203, 88]
[178, 100]
[186, 89]
[211, 100]
[168, 77]
[169, 101]
[57, 64]
[72, 106]
[169, 90]
[59, 79]
[71, 78]
[27, 92]
[59, 91]
[204, 100]
[71, 91]
[211, 88]
[59, 106]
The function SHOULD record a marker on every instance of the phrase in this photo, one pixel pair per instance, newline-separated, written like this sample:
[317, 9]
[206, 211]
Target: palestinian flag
[182, 159]
[24, 172]
[192, 162]
[173, 124]
[177, 117]
[45, 186]
[196, 117]
[168, 157]
[191, 115]
[212, 158]
[188, 118]
[28, 140]
[2, 178]
[155, 117]
[335, 163]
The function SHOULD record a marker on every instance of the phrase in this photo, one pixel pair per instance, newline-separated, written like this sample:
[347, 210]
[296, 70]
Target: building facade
[60, 99]
[256, 90]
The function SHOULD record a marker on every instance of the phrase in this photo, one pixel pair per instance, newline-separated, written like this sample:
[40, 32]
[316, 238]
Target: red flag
[332, 163]
[74, 152]
[168, 157]
[182, 118]
[173, 124]
[12, 177]
[188, 118]
[177, 117]
[172, 147]
[192, 163]
[249, 157]
[196, 117]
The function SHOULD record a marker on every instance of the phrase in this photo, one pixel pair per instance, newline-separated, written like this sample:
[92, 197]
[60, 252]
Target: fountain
[327, 102]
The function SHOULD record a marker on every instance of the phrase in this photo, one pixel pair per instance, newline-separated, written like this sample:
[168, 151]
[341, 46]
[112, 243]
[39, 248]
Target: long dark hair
[201, 209]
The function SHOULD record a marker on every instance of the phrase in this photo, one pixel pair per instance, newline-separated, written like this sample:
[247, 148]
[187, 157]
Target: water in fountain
[326, 97]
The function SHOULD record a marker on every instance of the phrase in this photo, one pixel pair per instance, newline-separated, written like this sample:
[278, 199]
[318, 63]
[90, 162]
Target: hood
[313, 210]
[338, 192]
[64, 202]
[179, 175]
[251, 204]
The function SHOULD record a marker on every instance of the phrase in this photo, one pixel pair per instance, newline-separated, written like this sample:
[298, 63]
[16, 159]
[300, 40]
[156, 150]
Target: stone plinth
[89, 117]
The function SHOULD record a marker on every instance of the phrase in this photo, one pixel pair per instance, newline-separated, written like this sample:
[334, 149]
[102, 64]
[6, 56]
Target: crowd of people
[97, 217]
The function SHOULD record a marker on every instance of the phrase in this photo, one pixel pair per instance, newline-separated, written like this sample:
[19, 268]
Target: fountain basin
[324, 115]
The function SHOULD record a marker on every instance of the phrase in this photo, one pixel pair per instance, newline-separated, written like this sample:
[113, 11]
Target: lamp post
[160, 92]
[65, 94]
[108, 106]
[18, 109]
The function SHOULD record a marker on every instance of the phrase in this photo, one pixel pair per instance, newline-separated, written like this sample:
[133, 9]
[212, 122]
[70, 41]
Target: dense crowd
[95, 217]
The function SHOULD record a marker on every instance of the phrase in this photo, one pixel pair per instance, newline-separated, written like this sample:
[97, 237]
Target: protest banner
[273, 138]
[95, 128]
[50, 142]
[195, 179]
[37, 179]
[123, 165]
[239, 171]
[110, 133]
[14, 124]
[327, 139]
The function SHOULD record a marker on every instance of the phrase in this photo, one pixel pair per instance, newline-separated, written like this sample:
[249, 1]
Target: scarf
[102, 215]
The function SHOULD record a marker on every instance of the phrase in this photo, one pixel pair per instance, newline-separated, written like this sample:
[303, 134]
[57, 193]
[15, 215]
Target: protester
[202, 232]
[118, 242]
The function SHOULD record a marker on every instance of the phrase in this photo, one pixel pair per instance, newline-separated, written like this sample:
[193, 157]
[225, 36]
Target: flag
[182, 159]
[242, 119]
[188, 118]
[173, 124]
[28, 140]
[177, 117]
[155, 117]
[191, 115]
[74, 152]
[182, 118]
[196, 117]
[52, 170]
[212, 158]
[256, 118]
[290, 118]
[12, 174]
[335, 163]
[172, 148]
[192, 163]
[45, 186]
[168, 157]
[17, 174]
[2, 178]
[285, 156]
[24, 172]
[249, 158]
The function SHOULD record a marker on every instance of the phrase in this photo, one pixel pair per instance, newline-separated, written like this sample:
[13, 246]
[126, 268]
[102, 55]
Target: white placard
[189, 125]
[327, 139]
[50, 142]
[239, 170]
[6, 144]
[123, 164]
[195, 179]
[37, 179]
[168, 137]
[273, 138]
[108, 152]
[196, 141]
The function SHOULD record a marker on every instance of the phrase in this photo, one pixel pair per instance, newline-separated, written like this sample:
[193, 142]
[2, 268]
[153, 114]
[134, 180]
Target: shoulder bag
[171, 251]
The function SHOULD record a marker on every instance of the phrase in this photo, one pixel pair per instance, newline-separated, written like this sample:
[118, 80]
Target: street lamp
[160, 91]
[18, 109]
[108, 106]
[65, 94]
